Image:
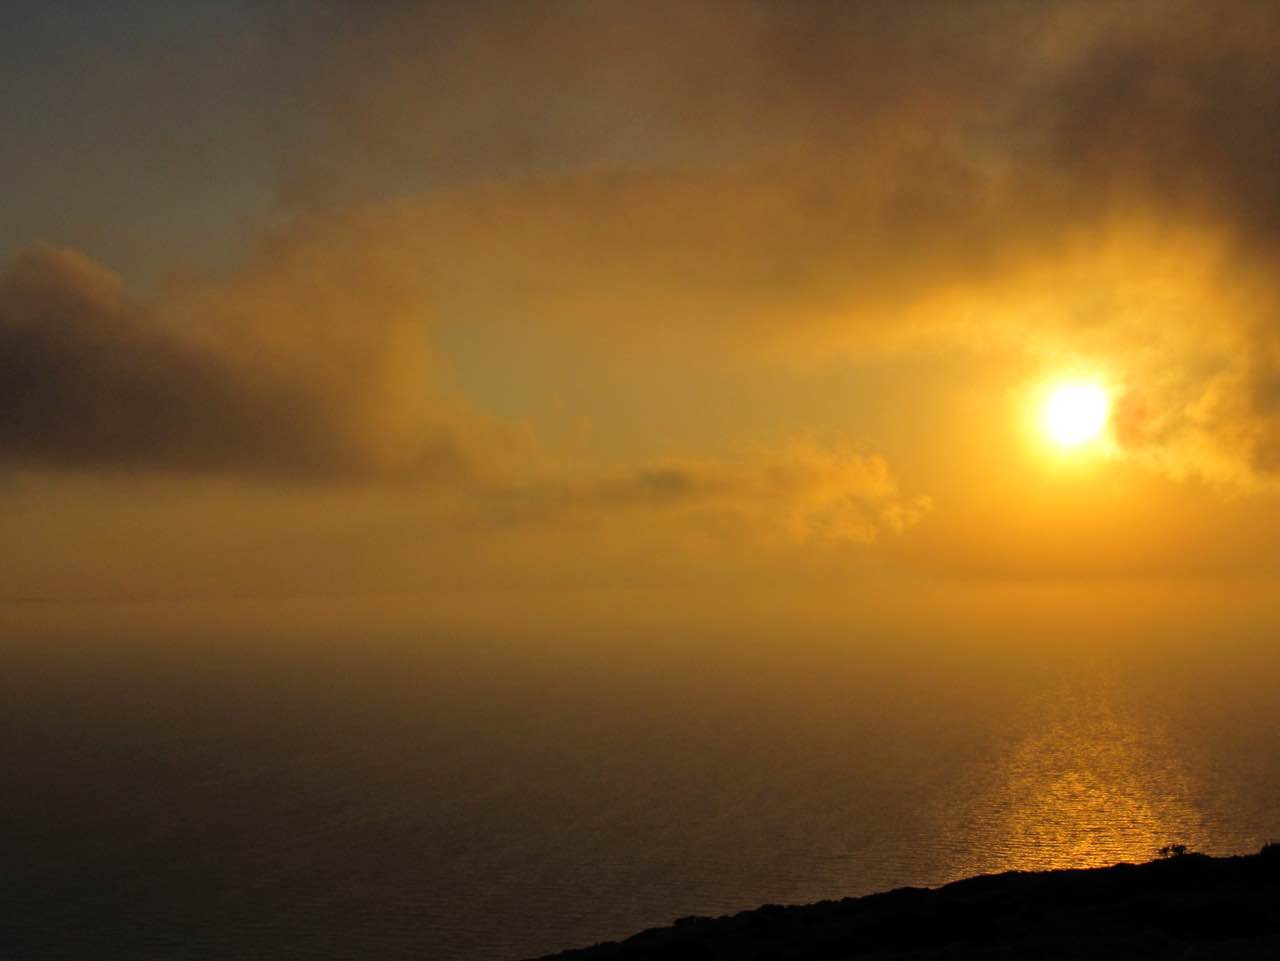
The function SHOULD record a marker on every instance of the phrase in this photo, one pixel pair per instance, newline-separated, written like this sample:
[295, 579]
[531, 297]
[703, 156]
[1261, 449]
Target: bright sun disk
[1076, 413]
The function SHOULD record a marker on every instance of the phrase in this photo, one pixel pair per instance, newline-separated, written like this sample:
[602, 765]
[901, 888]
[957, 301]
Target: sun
[1076, 413]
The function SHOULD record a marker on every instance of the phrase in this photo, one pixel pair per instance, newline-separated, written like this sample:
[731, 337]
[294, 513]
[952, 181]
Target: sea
[448, 799]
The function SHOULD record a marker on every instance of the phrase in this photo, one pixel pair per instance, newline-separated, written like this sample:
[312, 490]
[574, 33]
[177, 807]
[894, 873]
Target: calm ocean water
[387, 804]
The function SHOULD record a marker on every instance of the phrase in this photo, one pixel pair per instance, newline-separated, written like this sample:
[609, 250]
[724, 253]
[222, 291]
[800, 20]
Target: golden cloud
[799, 494]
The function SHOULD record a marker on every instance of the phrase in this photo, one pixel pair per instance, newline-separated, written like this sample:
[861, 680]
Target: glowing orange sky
[388, 299]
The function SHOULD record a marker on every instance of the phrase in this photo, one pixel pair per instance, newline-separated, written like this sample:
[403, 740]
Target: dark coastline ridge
[1186, 906]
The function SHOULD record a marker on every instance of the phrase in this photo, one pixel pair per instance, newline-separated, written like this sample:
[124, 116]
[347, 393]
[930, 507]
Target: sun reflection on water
[1090, 781]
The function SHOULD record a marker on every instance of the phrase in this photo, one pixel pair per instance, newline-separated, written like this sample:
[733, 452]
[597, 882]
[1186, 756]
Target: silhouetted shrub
[1173, 851]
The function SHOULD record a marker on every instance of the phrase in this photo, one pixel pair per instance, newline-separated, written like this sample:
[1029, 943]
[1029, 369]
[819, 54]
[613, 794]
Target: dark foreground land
[1184, 907]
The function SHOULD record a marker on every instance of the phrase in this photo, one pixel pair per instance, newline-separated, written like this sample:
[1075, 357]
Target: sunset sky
[552, 316]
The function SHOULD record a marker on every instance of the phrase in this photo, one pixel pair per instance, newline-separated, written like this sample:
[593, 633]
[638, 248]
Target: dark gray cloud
[90, 380]
[1172, 106]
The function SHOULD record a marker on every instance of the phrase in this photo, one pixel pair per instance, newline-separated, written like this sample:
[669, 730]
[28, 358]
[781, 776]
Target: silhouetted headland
[1185, 906]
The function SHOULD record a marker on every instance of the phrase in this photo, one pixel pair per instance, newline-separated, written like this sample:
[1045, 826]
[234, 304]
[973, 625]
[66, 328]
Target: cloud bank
[90, 380]
[307, 367]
